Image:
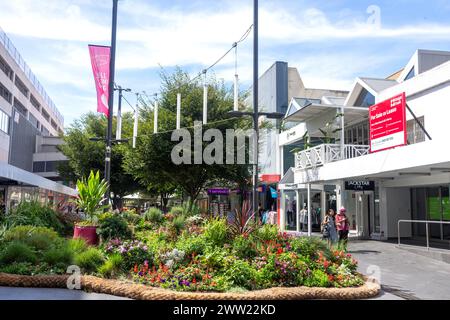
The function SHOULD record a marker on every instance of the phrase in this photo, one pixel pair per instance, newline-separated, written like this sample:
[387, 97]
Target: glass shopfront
[432, 203]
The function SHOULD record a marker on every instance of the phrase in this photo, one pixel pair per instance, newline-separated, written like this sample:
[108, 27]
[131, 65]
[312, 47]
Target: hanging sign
[387, 122]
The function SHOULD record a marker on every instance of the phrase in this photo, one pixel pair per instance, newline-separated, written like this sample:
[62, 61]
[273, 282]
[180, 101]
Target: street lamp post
[255, 106]
[111, 101]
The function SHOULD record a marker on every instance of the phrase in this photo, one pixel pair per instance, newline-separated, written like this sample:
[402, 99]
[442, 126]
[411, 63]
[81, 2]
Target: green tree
[85, 155]
[151, 163]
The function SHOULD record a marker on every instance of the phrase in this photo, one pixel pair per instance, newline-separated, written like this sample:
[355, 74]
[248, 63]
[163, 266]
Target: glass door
[438, 209]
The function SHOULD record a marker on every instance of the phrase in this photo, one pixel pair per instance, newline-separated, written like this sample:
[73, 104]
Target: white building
[29, 125]
[409, 182]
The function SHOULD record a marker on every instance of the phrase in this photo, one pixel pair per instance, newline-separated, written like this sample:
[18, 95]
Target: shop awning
[313, 111]
[13, 174]
[270, 178]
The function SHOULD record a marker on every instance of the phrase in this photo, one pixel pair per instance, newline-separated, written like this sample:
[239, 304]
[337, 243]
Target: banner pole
[110, 102]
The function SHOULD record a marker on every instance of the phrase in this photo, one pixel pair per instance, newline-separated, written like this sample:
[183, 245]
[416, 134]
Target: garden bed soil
[142, 292]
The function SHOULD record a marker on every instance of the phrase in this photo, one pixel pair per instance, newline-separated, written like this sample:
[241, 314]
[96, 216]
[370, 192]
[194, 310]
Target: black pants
[343, 237]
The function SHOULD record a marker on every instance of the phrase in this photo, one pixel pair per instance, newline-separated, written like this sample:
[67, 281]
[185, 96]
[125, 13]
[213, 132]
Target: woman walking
[343, 228]
[329, 227]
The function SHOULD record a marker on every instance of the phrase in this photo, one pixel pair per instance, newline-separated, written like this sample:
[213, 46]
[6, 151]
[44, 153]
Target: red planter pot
[88, 233]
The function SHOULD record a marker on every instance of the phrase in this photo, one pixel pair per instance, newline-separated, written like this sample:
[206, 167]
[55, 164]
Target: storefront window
[14, 197]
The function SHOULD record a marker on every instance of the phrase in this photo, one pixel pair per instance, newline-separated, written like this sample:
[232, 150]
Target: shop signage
[387, 122]
[217, 191]
[360, 185]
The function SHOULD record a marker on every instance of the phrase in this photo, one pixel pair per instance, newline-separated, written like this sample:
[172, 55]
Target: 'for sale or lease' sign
[387, 121]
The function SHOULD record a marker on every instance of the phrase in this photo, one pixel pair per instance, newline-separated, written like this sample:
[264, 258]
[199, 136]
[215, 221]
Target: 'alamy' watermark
[191, 150]
[74, 280]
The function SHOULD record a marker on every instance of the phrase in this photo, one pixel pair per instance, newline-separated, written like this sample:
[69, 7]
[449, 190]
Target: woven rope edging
[142, 292]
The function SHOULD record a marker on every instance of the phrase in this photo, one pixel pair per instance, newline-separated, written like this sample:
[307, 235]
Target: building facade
[409, 182]
[30, 124]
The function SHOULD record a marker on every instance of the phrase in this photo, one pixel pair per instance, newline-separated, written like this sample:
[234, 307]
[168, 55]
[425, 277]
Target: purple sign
[219, 191]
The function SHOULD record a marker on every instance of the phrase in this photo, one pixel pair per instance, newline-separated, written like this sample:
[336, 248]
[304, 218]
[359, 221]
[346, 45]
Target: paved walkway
[403, 275]
[7, 293]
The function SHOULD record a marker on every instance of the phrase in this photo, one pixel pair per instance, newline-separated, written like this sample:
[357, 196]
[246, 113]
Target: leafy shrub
[242, 222]
[112, 266]
[240, 273]
[77, 245]
[154, 215]
[214, 257]
[34, 214]
[62, 256]
[244, 247]
[216, 232]
[310, 247]
[38, 237]
[178, 224]
[317, 278]
[191, 244]
[113, 226]
[177, 211]
[131, 216]
[17, 252]
[267, 232]
[89, 260]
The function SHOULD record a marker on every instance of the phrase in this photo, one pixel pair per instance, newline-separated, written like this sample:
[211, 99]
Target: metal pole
[342, 134]
[398, 231]
[111, 101]
[309, 210]
[418, 122]
[255, 105]
[119, 116]
[136, 118]
[155, 120]
[205, 99]
[236, 93]
[178, 110]
[428, 239]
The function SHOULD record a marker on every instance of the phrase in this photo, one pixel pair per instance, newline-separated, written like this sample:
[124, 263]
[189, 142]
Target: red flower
[135, 268]
[326, 264]
[194, 281]
[279, 251]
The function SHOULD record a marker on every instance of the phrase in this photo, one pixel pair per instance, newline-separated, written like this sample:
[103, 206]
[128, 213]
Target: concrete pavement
[403, 274]
[8, 293]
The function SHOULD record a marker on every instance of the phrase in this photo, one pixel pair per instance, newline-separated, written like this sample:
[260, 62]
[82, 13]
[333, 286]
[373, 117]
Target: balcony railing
[326, 153]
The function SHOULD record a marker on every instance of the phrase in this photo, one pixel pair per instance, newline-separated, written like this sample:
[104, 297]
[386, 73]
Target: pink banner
[100, 58]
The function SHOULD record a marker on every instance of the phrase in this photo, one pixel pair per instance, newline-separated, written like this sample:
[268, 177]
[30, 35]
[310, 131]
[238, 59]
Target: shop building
[29, 127]
[408, 182]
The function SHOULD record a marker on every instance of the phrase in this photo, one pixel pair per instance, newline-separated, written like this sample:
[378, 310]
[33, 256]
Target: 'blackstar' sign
[360, 185]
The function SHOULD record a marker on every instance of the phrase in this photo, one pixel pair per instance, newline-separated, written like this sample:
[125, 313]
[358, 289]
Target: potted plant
[91, 193]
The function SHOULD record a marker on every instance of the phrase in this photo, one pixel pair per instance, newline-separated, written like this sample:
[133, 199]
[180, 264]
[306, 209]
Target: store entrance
[364, 214]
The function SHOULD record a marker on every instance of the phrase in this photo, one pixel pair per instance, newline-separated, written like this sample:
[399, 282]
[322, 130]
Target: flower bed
[188, 255]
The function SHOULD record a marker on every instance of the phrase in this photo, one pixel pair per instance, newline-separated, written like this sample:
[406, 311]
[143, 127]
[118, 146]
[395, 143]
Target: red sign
[387, 121]
[100, 59]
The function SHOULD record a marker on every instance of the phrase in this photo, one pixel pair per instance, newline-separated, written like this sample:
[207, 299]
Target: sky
[329, 42]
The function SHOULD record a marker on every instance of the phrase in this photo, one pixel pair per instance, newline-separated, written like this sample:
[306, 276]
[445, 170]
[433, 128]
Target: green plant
[77, 245]
[214, 257]
[240, 273]
[317, 278]
[89, 260]
[244, 247]
[190, 244]
[189, 209]
[131, 216]
[62, 256]
[34, 214]
[112, 266]
[267, 232]
[178, 223]
[310, 247]
[39, 236]
[112, 226]
[91, 193]
[154, 215]
[215, 232]
[177, 211]
[17, 252]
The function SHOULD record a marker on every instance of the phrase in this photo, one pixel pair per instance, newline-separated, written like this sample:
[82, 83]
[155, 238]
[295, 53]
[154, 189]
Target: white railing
[326, 153]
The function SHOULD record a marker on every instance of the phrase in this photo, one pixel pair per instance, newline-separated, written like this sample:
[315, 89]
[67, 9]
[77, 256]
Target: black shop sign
[360, 185]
